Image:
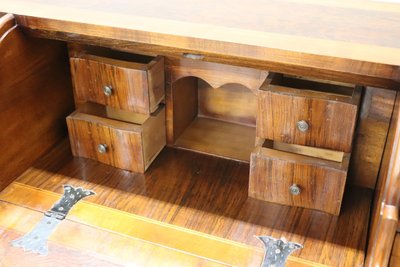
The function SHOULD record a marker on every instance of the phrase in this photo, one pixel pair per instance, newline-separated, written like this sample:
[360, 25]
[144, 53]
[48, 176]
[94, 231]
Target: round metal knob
[102, 148]
[302, 126]
[107, 90]
[295, 189]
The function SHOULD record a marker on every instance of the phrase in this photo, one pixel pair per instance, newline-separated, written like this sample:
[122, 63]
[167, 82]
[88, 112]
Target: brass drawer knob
[102, 148]
[107, 90]
[303, 126]
[295, 189]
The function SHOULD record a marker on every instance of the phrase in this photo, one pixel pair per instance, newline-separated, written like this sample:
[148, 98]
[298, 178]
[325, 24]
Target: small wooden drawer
[124, 81]
[297, 180]
[307, 113]
[120, 144]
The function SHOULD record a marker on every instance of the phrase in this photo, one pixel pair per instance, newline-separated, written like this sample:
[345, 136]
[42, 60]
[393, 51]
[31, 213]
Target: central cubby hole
[217, 121]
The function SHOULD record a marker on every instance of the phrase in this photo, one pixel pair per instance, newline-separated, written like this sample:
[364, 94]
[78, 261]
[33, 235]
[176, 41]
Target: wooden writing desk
[356, 42]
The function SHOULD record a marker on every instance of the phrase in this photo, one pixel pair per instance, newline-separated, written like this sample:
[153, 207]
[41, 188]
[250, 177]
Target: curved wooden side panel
[385, 214]
[35, 97]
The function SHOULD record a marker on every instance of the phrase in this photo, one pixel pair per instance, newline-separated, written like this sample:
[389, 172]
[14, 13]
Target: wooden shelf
[216, 121]
[214, 137]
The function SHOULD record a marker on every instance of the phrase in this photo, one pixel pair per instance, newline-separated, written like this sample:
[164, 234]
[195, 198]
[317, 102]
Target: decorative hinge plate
[276, 251]
[36, 239]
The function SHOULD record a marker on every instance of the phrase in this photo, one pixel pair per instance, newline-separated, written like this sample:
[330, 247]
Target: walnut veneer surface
[340, 39]
[209, 195]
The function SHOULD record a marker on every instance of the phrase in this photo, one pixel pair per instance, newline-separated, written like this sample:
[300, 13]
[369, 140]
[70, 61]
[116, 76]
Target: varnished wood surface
[209, 195]
[216, 75]
[231, 103]
[224, 139]
[331, 117]
[77, 243]
[35, 97]
[321, 182]
[210, 90]
[133, 87]
[376, 110]
[283, 36]
[395, 256]
[307, 150]
[385, 212]
[61, 256]
[128, 146]
[130, 239]
[181, 106]
[212, 107]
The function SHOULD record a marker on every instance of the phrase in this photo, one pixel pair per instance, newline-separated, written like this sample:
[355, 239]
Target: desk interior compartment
[212, 107]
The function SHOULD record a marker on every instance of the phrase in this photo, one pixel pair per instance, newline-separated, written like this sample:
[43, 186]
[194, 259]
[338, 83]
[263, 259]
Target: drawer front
[95, 138]
[303, 120]
[122, 86]
[297, 180]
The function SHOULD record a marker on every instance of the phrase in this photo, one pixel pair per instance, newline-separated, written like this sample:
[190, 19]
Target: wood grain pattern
[322, 182]
[60, 255]
[376, 111]
[216, 74]
[141, 228]
[297, 66]
[160, 239]
[385, 213]
[209, 195]
[218, 121]
[231, 103]
[129, 146]
[156, 81]
[389, 218]
[281, 107]
[35, 97]
[137, 87]
[213, 137]
[343, 43]
[79, 244]
[112, 113]
[154, 136]
[395, 256]
[308, 151]
[181, 105]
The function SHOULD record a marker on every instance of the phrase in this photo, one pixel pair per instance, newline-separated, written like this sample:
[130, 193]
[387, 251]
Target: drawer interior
[315, 152]
[218, 121]
[77, 50]
[112, 113]
[298, 85]
[303, 154]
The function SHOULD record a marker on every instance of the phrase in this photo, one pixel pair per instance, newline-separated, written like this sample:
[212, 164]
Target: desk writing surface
[363, 35]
